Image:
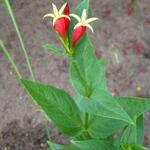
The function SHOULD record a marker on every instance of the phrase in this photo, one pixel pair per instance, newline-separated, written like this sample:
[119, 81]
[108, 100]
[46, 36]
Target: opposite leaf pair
[61, 23]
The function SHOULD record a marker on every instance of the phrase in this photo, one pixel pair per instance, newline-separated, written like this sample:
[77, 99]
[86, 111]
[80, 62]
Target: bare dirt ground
[122, 37]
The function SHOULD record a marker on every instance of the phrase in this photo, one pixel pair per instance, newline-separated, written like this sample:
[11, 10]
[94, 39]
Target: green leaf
[139, 147]
[83, 5]
[134, 134]
[129, 135]
[53, 146]
[134, 147]
[134, 106]
[54, 49]
[94, 145]
[86, 72]
[101, 127]
[58, 106]
[103, 104]
[140, 130]
[84, 48]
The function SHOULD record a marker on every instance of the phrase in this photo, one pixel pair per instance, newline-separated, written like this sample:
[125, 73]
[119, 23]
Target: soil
[30, 136]
[121, 36]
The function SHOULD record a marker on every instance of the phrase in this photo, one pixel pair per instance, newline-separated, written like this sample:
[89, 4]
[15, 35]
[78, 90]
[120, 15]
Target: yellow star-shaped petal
[57, 13]
[83, 21]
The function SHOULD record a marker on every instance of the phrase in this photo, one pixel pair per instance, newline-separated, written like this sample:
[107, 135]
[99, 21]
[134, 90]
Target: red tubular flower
[61, 27]
[61, 20]
[80, 27]
[77, 34]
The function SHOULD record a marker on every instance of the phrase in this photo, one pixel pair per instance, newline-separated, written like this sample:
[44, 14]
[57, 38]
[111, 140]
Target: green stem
[65, 45]
[7, 4]
[86, 120]
[10, 59]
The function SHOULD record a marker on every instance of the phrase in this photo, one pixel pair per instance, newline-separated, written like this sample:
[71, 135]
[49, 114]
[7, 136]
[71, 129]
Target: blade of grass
[10, 59]
[10, 11]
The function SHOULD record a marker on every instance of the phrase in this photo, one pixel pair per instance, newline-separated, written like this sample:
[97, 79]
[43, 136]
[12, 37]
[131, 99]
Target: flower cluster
[62, 20]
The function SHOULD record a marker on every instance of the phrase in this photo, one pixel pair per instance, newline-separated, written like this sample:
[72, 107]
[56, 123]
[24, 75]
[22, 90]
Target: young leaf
[58, 106]
[134, 106]
[87, 78]
[94, 145]
[86, 72]
[54, 49]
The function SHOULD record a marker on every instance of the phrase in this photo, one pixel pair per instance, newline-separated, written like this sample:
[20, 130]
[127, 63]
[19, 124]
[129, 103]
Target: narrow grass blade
[10, 11]
[10, 59]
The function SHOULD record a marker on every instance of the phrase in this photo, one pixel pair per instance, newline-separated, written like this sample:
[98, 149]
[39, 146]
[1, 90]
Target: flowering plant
[93, 118]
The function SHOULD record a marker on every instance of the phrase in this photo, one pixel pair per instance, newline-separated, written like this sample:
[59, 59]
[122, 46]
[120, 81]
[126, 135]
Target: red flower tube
[61, 20]
[67, 9]
[80, 27]
[77, 34]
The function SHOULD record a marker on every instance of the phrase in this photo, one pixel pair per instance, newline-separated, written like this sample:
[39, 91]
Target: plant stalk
[10, 59]
[86, 120]
[10, 11]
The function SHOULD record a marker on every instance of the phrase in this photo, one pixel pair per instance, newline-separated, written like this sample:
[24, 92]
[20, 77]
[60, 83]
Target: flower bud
[81, 26]
[77, 34]
[61, 20]
[61, 26]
